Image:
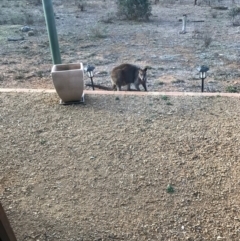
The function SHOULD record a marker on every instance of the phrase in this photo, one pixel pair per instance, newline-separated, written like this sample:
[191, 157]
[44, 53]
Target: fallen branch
[15, 39]
[193, 21]
[220, 8]
[197, 21]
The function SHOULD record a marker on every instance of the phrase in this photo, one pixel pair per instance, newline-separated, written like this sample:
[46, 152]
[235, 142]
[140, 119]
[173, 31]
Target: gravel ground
[101, 171]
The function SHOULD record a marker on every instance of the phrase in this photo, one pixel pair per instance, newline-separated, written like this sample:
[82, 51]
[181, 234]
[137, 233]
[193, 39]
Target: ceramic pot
[68, 81]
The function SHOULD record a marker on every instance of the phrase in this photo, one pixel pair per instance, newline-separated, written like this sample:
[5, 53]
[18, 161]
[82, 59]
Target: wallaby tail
[100, 87]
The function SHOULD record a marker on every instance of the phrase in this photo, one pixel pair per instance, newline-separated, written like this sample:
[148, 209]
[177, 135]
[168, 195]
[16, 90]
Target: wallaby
[126, 74]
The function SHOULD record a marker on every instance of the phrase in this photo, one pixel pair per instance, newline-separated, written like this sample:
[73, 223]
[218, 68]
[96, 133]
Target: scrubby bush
[81, 4]
[207, 40]
[232, 89]
[233, 12]
[134, 9]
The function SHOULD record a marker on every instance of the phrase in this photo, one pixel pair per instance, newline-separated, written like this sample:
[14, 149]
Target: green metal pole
[52, 31]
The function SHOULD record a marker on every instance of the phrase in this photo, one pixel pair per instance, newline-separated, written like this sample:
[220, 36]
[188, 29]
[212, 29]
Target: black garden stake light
[89, 69]
[202, 74]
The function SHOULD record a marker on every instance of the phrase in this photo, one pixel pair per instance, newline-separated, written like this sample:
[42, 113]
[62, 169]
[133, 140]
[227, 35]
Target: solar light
[203, 74]
[89, 69]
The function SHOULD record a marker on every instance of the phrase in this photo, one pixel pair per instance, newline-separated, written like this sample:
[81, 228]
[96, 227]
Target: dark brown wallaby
[127, 74]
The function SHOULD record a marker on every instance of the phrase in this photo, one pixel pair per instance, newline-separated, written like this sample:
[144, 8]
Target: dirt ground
[121, 167]
[98, 37]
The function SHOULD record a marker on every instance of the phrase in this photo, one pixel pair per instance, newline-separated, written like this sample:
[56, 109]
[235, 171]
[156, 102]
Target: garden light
[203, 74]
[89, 69]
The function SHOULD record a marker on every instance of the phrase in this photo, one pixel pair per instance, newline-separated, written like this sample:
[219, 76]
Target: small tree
[134, 9]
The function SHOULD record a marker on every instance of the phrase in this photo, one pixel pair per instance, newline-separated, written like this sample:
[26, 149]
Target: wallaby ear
[145, 69]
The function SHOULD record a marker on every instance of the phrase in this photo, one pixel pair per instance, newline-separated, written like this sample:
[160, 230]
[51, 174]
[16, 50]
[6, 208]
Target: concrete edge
[136, 93]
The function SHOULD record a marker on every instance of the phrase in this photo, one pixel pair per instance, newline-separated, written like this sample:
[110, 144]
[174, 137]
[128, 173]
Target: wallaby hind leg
[137, 86]
[114, 87]
[144, 86]
[128, 87]
[118, 87]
